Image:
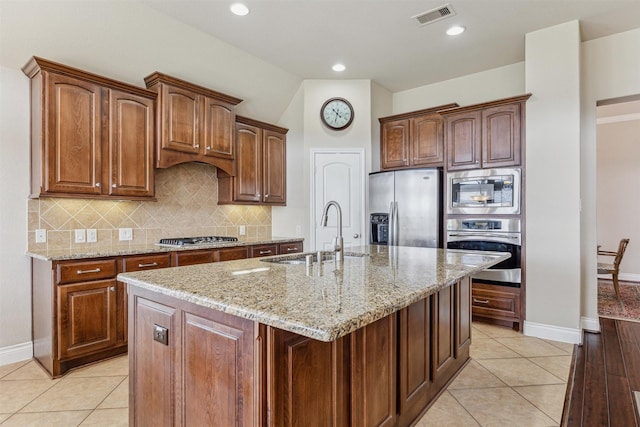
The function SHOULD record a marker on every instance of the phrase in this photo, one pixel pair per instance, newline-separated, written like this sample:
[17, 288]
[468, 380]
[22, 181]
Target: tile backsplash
[187, 206]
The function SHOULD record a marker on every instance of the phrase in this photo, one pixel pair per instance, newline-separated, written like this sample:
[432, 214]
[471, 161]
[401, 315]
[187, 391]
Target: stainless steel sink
[327, 256]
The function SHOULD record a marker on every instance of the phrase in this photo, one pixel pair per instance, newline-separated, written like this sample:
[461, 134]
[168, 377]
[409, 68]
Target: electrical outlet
[125, 234]
[92, 235]
[298, 230]
[80, 235]
[41, 235]
[242, 230]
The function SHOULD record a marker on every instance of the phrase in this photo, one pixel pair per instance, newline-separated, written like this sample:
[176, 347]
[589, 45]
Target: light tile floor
[512, 381]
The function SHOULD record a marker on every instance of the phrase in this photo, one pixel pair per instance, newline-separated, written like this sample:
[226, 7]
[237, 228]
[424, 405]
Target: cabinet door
[248, 182]
[229, 254]
[218, 129]
[87, 317]
[427, 141]
[414, 389]
[73, 146]
[394, 148]
[463, 140]
[443, 329]
[181, 111]
[131, 144]
[501, 136]
[274, 167]
[307, 381]
[373, 353]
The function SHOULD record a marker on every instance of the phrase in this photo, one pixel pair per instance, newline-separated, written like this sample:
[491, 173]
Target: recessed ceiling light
[455, 30]
[338, 67]
[239, 9]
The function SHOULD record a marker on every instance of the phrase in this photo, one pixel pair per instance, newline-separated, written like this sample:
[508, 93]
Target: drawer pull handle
[481, 301]
[152, 264]
[265, 252]
[292, 249]
[95, 270]
[112, 289]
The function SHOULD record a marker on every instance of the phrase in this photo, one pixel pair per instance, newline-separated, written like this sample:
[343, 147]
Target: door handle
[355, 236]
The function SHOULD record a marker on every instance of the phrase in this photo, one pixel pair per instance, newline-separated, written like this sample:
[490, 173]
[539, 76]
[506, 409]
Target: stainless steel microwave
[484, 191]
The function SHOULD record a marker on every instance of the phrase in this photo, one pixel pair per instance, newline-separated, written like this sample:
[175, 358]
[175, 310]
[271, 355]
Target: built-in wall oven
[484, 192]
[490, 234]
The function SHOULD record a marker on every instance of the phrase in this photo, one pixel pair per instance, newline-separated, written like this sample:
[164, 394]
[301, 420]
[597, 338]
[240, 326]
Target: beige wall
[552, 57]
[610, 69]
[617, 178]
[187, 205]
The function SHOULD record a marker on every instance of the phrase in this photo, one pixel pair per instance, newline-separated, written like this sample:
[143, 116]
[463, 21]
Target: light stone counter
[325, 302]
[122, 250]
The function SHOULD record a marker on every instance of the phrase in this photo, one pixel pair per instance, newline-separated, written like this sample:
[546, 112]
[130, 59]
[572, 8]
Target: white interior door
[338, 176]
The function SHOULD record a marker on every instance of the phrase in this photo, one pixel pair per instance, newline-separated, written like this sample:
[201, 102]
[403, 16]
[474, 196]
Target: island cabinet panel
[217, 370]
[463, 317]
[415, 387]
[153, 365]
[373, 370]
[443, 321]
[307, 381]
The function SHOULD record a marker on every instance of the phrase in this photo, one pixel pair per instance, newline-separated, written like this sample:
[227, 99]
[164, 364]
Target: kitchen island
[370, 341]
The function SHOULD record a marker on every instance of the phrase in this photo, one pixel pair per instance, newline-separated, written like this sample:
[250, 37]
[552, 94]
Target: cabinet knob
[114, 185]
[208, 148]
[97, 184]
[112, 289]
[197, 145]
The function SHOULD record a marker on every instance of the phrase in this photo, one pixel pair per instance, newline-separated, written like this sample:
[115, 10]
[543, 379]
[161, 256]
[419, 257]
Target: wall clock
[336, 113]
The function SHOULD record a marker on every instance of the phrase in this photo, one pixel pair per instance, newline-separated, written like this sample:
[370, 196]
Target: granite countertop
[324, 302]
[116, 250]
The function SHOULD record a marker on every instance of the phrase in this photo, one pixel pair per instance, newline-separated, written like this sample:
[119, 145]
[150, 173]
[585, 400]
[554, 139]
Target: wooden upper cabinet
[274, 167]
[90, 136]
[260, 165]
[487, 135]
[412, 140]
[394, 147]
[195, 124]
[131, 143]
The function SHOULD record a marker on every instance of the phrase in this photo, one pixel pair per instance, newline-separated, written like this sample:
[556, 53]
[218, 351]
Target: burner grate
[181, 241]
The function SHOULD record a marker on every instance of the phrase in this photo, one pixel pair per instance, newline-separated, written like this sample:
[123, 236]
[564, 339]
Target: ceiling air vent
[434, 15]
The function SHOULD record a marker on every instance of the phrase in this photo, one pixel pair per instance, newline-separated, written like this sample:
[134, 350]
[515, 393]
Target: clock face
[337, 113]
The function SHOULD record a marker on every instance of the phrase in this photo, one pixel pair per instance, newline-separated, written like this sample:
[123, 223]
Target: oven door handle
[482, 236]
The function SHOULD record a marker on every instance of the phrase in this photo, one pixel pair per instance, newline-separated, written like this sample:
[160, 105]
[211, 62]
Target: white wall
[315, 135]
[502, 82]
[553, 177]
[610, 69]
[15, 269]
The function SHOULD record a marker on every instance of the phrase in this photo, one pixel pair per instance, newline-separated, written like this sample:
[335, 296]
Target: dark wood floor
[604, 373]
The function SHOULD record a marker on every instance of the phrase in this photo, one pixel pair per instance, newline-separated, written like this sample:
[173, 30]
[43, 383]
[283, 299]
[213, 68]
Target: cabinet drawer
[290, 248]
[146, 262]
[82, 271]
[194, 257]
[264, 250]
[489, 302]
[229, 254]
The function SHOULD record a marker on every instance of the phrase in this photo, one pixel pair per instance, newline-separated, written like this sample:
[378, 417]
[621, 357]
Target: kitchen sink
[302, 258]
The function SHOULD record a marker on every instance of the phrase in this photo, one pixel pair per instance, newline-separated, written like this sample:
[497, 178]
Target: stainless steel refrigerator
[405, 208]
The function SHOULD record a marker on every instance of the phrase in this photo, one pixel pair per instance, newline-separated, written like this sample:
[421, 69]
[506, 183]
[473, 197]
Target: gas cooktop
[182, 241]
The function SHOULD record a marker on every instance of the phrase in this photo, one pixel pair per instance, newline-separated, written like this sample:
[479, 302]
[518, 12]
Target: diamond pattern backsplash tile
[187, 206]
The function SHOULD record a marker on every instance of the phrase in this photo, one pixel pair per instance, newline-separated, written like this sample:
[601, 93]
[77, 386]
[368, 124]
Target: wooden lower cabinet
[218, 369]
[497, 304]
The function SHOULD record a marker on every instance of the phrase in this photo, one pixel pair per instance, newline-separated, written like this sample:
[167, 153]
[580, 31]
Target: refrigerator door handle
[390, 241]
[396, 228]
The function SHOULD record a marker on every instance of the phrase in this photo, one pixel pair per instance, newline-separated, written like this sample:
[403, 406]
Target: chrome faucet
[338, 246]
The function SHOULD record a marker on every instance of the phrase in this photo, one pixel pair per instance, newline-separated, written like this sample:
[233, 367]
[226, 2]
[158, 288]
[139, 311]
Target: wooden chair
[613, 269]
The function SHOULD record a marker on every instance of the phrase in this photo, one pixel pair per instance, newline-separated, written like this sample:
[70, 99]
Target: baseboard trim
[16, 353]
[551, 332]
[623, 277]
[590, 324]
